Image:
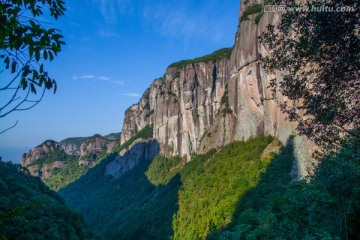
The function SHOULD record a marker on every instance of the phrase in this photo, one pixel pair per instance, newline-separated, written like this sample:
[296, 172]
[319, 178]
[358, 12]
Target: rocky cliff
[203, 104]
[139, 150]
[51, 155]
[181, 105]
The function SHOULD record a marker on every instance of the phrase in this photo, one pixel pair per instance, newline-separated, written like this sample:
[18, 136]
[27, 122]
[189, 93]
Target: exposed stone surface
[185, 107]
[44, 170]
[38, 152]
[180, 106]
[71, 148]
[86, 163]
[86, 146]
[139, 150]
[96, 144]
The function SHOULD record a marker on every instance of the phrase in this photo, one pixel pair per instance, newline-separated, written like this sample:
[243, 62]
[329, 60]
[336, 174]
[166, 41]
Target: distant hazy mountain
[9, 153]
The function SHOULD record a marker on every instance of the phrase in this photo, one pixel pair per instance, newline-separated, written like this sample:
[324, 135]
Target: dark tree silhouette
[26, 43]
[317, 53]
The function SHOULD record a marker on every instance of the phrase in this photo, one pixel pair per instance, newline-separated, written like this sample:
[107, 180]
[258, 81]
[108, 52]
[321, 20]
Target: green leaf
[32, 87]
[37, 55]
[23, 83]
[7, 61]
[13, 67]
[32, 23]
[31, 51]
[51, 56]
[55, 86]
[45, 55]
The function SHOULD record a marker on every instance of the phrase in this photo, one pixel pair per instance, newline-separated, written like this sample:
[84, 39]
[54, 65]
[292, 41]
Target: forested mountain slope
[30, 210]
[242, 191]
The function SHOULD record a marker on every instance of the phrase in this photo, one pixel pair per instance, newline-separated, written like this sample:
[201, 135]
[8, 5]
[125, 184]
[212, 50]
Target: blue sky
[114, 50]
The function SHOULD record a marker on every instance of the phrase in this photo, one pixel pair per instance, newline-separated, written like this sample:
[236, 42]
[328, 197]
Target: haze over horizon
[114, 50]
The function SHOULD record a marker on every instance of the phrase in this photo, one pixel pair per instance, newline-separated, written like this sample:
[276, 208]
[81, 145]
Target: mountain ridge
[59, 163]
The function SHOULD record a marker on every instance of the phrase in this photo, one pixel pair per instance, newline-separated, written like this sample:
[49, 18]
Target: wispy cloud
[118, 82]
[106, 33]
[110, 9]
[131, 94]
[99, 78]
[179, 19]
[104, 78]
[172, 18]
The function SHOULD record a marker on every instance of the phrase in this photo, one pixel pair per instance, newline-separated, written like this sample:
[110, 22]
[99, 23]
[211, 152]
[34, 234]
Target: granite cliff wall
[180, 106]
[207, 104]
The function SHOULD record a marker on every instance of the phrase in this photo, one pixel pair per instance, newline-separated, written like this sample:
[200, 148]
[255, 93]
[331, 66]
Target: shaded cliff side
[199, 105]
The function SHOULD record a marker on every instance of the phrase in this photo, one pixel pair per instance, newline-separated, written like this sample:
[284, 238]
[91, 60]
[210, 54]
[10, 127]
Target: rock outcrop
[96, 144]
[139, 150]
[203, 105]
[180, 106]
[50, 155]
[70, 148]
[34, 154]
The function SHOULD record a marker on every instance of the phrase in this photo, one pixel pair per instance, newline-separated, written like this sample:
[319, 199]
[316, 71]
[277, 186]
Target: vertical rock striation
[181, 106]
[201, 105]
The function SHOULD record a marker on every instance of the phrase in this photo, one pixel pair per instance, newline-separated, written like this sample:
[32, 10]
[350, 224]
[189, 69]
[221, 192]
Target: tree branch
[9, 128]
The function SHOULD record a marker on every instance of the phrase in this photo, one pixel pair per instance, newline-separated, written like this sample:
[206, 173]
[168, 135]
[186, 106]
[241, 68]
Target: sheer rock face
[249, 86]
[185, 107]
[139, 150]
[180, 106]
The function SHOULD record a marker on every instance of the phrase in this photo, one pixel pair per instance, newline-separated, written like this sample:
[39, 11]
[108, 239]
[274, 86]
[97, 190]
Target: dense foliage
[25, 44]
[30, 210]
[70, 172]
[255, 8]
[130, 207]
[232, 193]
[141, 204]
[320, 67]
[324, 207]
[217, 55]
[71, 169]
[163, 169]
[213, 184]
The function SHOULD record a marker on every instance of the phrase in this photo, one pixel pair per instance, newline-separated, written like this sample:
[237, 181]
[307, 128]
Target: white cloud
[83, 77]
[104, 78]
[99, 78]
[87, 77]
[118, 82]
[131, 94]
